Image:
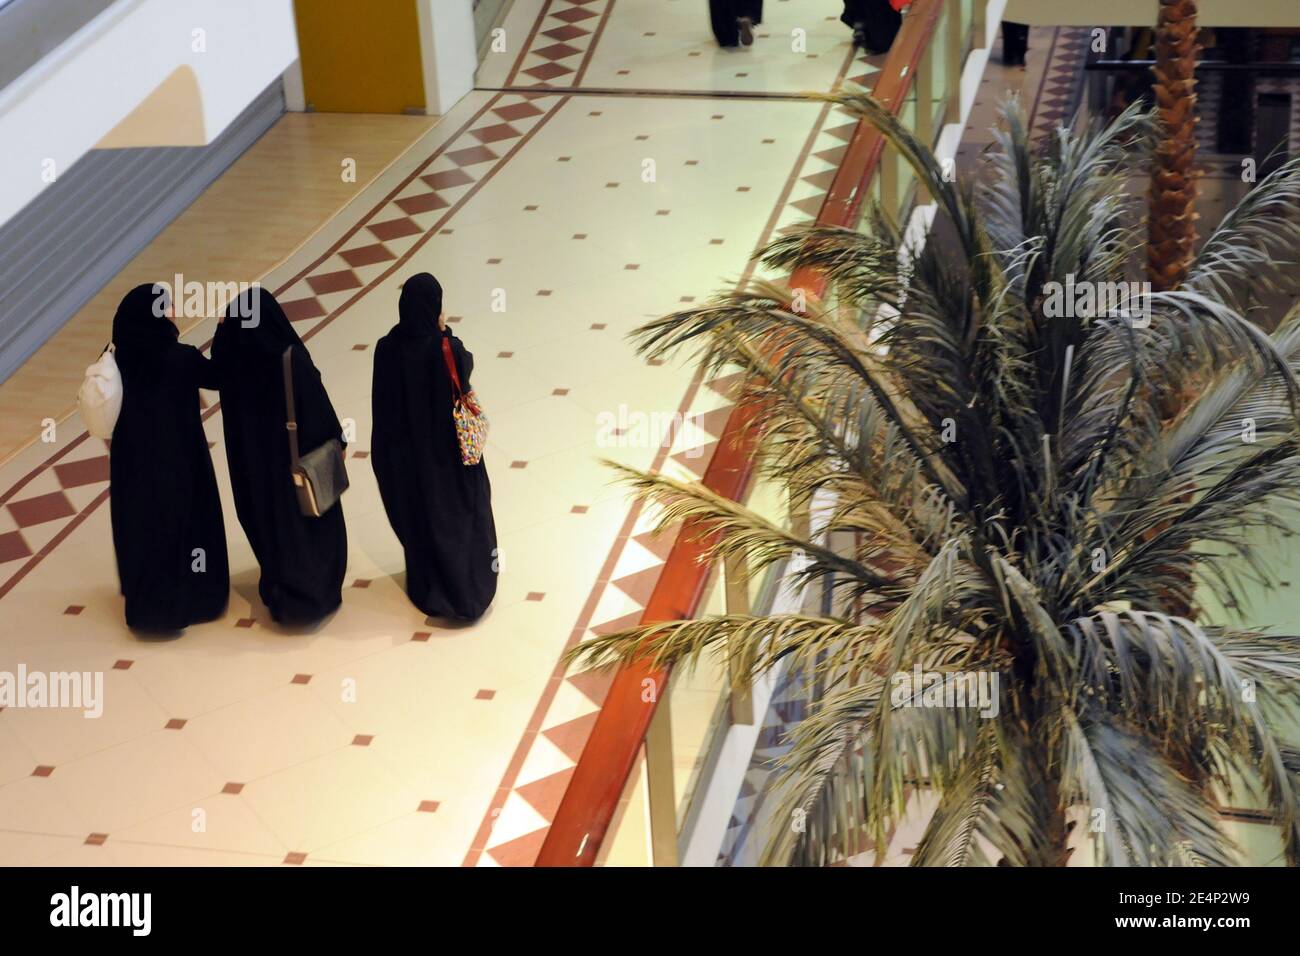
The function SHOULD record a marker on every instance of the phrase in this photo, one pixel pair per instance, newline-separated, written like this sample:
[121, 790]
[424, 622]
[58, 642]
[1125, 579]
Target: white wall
[448, 52]
[75, 96]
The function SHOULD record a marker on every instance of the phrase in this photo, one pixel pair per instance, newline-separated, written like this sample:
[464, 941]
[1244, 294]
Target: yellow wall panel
[360, 56]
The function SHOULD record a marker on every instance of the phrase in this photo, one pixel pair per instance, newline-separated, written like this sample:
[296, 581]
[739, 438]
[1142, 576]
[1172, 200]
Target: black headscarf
[141, 328]
[255, 324]
[420, 305]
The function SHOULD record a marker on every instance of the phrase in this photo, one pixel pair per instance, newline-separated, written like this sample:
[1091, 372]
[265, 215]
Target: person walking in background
[168, 532]
[303, 558]
[1015, 43]
[874, 23]
[734, 21]
[440, 508]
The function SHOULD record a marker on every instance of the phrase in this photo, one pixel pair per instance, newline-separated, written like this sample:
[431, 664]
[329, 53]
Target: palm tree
[1172, 226]
[1018, 506]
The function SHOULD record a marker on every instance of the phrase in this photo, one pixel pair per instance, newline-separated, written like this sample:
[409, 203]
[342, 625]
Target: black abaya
[879, 21]
[723, 15]
[440, 509]
[303, 559]
[1015, 43]
[168, 533]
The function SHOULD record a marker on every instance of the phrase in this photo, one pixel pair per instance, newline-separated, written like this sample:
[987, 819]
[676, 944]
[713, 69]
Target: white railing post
[736, 570]
[954, 48]
[661, 793]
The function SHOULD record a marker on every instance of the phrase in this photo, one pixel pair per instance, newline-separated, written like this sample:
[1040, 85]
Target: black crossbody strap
[290, 423]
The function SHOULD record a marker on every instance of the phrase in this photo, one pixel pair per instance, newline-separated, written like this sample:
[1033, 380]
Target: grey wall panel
[66, 244]
[29, 29]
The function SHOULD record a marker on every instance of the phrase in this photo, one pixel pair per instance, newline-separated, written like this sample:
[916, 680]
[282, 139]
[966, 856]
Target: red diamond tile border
[394, 228]
[495, 133]
[300, 310]
[547, 71]
[450, 178]
[472, 156]
[369, 255]
[414, 205]
[517, 111]
[13, 547]
[88, 471]
[42, 508]
[342, 281]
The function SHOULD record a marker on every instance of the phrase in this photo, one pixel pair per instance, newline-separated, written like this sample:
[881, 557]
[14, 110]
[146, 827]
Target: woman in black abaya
[875, 23]
[733, 21]
[440, 509]
[303, 559]
[168, 532]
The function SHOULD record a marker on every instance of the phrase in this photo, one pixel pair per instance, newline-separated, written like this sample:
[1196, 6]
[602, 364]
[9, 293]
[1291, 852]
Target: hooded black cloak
[168, 532]
[440, 509]
[303, 559]
[723, 15]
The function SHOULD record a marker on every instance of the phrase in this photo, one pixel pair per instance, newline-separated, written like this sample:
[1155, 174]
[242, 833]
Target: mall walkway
[613, 166]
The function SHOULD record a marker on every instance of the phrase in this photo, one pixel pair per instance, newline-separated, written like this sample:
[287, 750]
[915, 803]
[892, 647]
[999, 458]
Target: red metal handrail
[591, 799]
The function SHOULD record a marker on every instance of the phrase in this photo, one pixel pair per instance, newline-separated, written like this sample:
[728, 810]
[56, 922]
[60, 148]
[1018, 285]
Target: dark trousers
[878, 21]
[724, 13]
[1015, 43]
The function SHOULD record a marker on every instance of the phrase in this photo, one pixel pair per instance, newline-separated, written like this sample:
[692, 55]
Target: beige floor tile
[223, 823]
[135, 781]
[148, 854]
[35, 804]
[33, 849]
[330, 798]
[265, 733]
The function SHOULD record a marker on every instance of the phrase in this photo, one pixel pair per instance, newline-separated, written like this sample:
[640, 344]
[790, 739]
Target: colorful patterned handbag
[471, 423]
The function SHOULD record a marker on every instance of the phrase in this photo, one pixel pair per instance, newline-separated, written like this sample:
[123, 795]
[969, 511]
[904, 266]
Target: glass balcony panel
[628, 841]
[698, 700]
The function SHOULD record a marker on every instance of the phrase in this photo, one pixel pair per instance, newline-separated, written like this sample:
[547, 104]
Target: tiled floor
[382, 737]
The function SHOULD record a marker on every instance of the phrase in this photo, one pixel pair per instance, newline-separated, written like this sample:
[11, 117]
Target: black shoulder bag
[319, 477]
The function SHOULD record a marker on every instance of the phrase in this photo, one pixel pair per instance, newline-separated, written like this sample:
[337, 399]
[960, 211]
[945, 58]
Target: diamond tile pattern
[563, 46]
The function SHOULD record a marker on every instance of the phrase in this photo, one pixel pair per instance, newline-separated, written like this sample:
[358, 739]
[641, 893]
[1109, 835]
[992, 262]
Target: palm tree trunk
[1172, 225]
